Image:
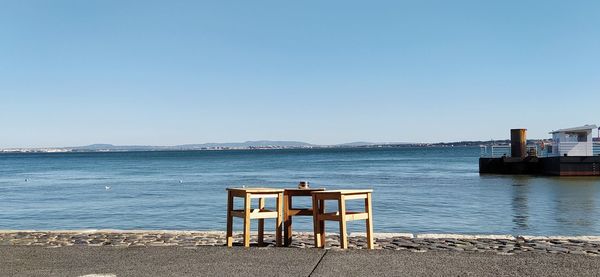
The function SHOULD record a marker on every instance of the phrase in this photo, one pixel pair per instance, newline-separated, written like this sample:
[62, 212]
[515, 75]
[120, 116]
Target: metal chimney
[518, 143]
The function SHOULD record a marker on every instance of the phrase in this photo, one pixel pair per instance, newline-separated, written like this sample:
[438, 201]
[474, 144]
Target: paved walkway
[222, 261]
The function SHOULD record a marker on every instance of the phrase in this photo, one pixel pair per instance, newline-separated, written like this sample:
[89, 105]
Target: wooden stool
[319, 214]
[288, 211]
[261, 213]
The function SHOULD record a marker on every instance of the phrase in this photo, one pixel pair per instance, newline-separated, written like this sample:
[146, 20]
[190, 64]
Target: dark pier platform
[571, 153]
[555, 166]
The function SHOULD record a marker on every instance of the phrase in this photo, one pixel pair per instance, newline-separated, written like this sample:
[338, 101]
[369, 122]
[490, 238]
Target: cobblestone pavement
[503, 245]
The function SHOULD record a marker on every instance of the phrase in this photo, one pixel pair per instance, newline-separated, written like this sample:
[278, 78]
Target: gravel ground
[503, 245]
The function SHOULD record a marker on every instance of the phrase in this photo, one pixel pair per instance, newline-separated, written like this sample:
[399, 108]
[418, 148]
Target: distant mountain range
[260, 144]
[203, 146]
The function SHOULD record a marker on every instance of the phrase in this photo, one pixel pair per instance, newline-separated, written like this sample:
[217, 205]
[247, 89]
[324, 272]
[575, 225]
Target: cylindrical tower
[518, 143]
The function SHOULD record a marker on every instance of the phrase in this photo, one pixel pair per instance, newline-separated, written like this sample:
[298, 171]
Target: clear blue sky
[175, 72]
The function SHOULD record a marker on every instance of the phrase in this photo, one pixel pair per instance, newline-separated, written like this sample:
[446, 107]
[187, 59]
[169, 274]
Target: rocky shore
[499, 244]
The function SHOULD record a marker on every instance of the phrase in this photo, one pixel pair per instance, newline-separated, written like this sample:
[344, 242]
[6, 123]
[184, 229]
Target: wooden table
[289, 211]
[342, 215]
[248, 213]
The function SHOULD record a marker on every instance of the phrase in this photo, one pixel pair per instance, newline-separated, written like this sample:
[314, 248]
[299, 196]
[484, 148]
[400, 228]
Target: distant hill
[259, 144]
[110, 147]
[203, 146]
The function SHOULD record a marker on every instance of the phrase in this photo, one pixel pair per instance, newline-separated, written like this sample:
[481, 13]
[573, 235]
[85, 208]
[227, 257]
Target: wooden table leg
[287, 220]
[261, 223]
[343, 233]
[316, 221]
[369, 222]
[247, 210]
[229, 219]
[279, 227]
[322, 222]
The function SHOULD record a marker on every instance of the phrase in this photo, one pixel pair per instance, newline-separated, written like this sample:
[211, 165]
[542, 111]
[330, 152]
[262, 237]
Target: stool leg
[261, 223]
[342, 211]
[279, 226]
[369, 222]
[316, 221]
[287, 220]
[229, 219]
[247, 211]
[322, 222]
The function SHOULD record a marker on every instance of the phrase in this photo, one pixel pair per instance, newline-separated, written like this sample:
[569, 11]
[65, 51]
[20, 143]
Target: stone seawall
[500, 244]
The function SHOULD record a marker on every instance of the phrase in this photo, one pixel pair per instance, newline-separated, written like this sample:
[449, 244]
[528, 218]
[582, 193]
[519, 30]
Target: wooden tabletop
[307, 189]
[256, 190]
[301, 192]
[346, 191]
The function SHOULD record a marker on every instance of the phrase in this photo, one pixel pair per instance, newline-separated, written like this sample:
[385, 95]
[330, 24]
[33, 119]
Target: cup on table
[303, 185]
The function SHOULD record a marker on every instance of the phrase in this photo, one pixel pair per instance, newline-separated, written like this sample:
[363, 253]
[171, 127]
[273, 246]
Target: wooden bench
[342, 215]
[248, 213]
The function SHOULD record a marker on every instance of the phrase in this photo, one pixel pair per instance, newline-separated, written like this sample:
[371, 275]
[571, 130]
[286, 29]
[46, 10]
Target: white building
[577, 141]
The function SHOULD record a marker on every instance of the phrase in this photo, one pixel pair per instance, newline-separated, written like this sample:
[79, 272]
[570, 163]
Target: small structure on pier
[576, 141]
[571, 152]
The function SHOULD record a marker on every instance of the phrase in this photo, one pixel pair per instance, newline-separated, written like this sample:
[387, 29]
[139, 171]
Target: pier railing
[497, 151]
[494, 151]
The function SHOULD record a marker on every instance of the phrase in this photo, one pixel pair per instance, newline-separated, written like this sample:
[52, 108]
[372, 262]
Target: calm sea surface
[420, 190]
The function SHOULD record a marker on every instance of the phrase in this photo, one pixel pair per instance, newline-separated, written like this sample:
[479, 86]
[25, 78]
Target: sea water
[418, 190]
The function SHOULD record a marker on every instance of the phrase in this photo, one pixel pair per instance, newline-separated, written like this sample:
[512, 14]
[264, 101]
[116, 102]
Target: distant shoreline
[240, 146]
[34, 151]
